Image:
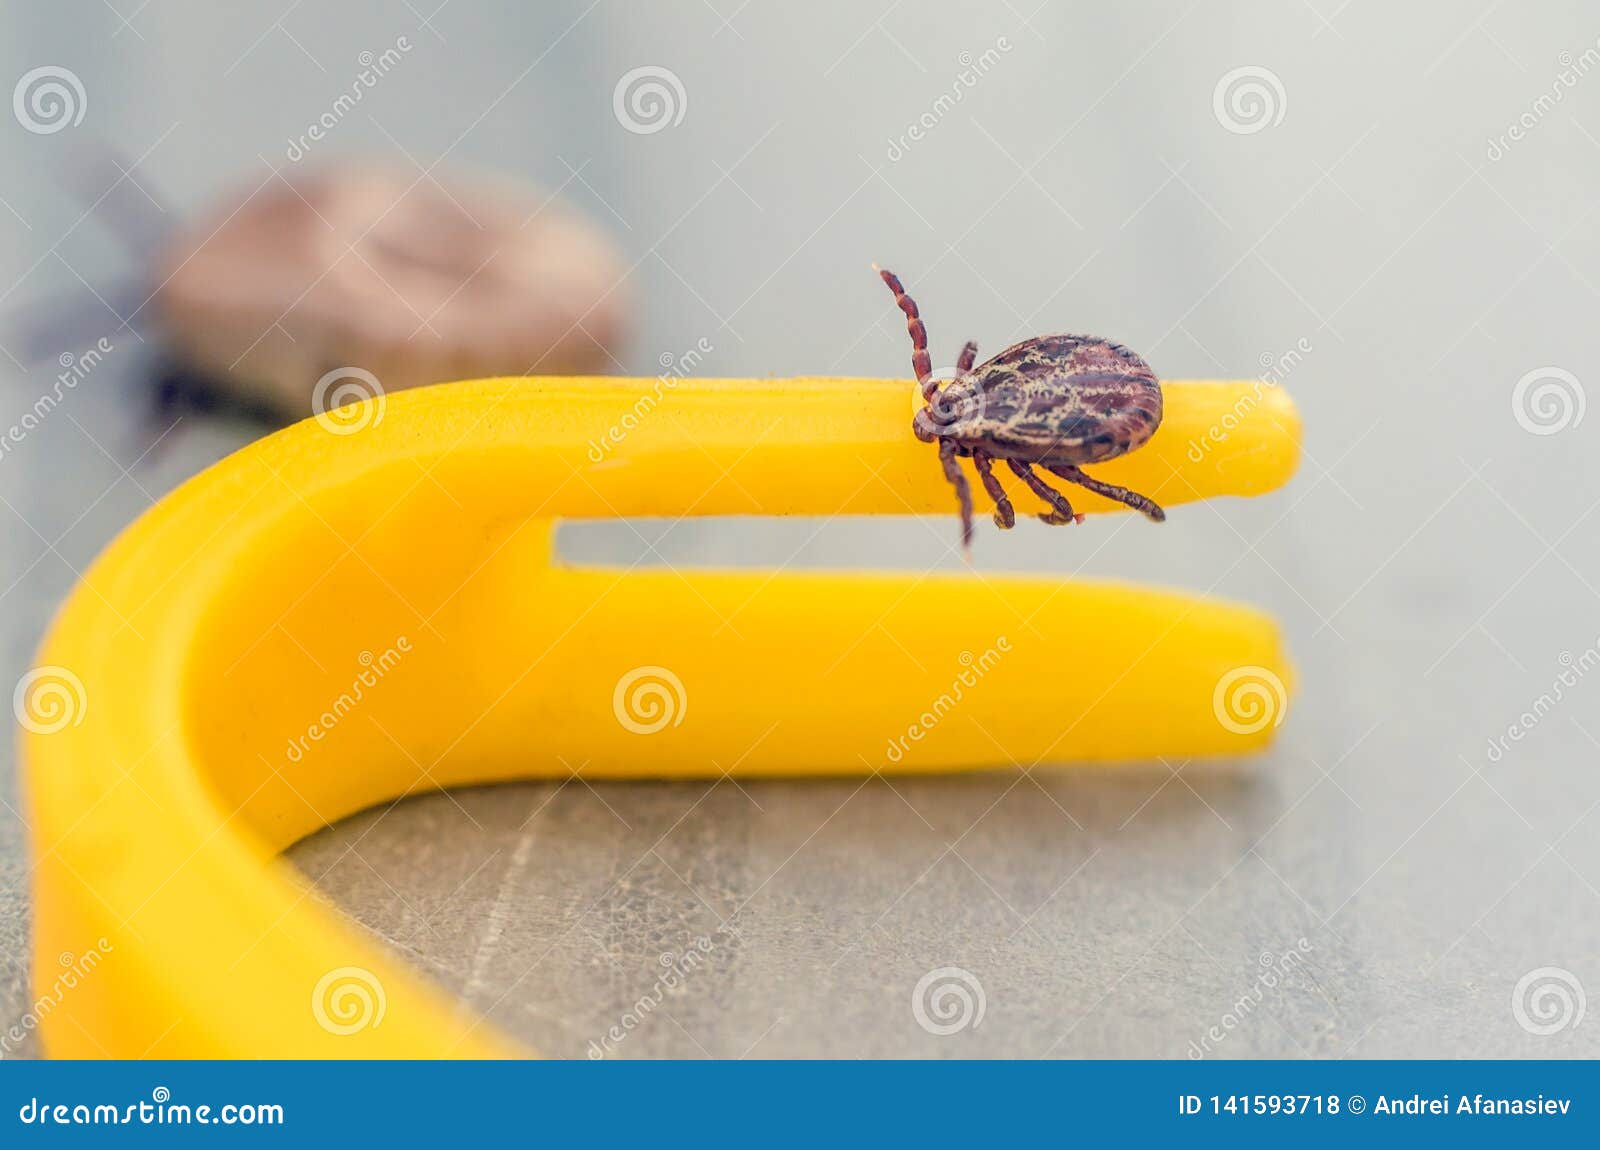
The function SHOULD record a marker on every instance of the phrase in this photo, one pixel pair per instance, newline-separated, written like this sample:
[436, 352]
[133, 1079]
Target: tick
[1055, 402]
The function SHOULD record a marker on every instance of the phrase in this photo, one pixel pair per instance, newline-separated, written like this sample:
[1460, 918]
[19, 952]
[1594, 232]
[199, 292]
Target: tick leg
[1005, 516]
[921, 364]
[1133, 499]
[968, 356]
[958, 480]
[1061, 513]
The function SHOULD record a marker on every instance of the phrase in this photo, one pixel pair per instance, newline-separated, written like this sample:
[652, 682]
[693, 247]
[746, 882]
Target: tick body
[1055, 402]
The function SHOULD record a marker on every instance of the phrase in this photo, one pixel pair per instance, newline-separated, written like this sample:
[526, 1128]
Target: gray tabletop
[1413, 870]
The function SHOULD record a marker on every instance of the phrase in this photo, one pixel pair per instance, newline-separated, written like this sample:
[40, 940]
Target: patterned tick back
[1055, 401]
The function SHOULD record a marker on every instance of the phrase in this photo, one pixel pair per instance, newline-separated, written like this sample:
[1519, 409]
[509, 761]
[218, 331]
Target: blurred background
[1388, 211]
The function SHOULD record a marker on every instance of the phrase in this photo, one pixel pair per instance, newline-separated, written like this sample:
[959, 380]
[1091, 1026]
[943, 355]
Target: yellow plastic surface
[363, 607]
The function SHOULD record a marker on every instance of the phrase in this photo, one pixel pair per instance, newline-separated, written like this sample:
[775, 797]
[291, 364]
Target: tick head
[956, 409]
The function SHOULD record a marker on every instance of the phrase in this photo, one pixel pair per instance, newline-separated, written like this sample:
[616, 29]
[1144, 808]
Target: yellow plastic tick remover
[366, 604]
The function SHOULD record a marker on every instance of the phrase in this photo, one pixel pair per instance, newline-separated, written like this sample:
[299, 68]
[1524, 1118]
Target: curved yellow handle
[365, 605]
